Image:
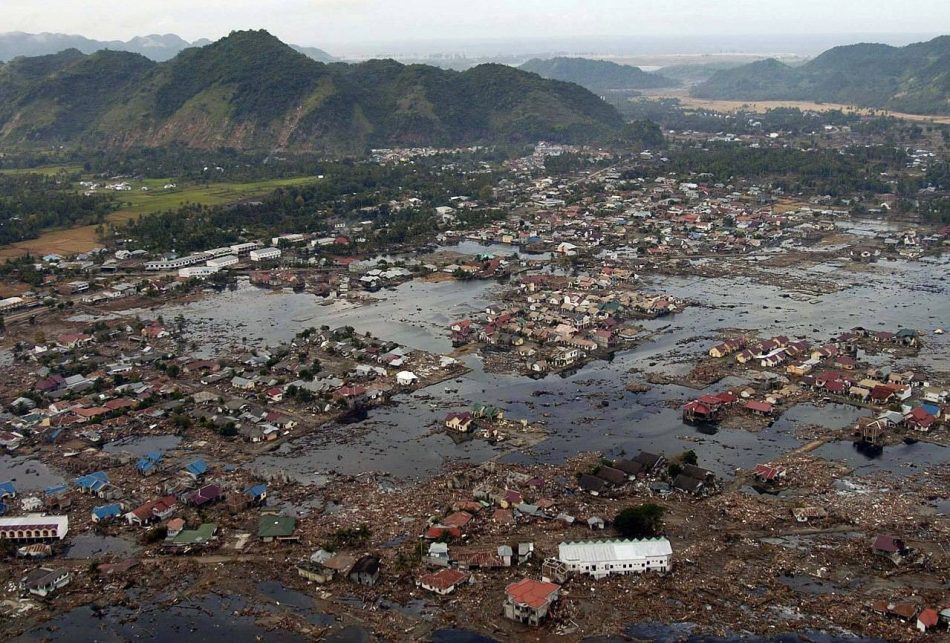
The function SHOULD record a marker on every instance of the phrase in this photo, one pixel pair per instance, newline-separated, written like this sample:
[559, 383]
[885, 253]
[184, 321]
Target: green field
[46, 170]
[158, 199]
[137, 202]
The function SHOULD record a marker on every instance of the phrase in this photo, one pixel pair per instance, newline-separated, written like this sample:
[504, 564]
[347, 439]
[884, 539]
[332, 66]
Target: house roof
[443, 579]
[532, 593]
[197, 468]
[759, 407]
[928, 617]
[887, 544]
[276, 526]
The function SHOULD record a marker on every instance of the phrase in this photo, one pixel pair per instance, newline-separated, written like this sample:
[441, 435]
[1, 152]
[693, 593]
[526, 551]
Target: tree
[641, 521]
[689, 457]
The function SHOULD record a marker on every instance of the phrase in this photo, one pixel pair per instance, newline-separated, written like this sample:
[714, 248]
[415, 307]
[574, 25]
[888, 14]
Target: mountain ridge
[599, 76]
[249, 90]
[914, 78]
[157, 47]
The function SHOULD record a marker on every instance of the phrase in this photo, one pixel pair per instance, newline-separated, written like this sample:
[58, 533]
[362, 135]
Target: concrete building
[265, 254]
[34, 527]
[196, 271]
[528, 601]
[222, 262]
[600, 558]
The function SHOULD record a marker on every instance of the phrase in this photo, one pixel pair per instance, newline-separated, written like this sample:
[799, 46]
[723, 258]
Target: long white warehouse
[600, 558]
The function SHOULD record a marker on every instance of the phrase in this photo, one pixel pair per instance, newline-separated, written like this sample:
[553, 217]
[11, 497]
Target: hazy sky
[328, 22]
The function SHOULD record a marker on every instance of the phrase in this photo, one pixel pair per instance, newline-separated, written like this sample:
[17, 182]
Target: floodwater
[89, 545]
[414, 315]
[211, 618]
[28, 475]
[589, 409]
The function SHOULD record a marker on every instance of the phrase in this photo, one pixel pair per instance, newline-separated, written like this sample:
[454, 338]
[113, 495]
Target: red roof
[434, 533]
[443, 579]
[928, 617]
[759, 407]
[458, 519]
[530, 592]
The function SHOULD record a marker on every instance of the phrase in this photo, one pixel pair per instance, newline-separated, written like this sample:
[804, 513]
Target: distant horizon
[362, 24]
[634, 45]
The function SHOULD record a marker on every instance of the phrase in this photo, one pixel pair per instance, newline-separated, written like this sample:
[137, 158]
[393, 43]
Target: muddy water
[211, 618]
[590, 409]
[415, 314]
[89, 545]
[28, 475]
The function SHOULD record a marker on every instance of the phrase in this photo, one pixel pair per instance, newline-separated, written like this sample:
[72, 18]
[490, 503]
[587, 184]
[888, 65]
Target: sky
[328, 23]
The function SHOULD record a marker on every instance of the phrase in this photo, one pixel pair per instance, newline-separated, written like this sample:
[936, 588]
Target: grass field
[157, 199]
[48, 170]
[138, 202]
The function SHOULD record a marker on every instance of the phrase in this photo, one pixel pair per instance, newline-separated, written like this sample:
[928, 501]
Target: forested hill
[251, 91]
[914, 79]
[600, 76]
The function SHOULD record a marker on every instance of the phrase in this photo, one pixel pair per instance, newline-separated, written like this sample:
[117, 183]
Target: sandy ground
[761, 106]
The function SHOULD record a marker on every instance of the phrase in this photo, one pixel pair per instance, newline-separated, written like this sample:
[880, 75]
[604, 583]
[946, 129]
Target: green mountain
[915, 78]
[599, 76]
[251, 91]
[158, 47]
[697, 72]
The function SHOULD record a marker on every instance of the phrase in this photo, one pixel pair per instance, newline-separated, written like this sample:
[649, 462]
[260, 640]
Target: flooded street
[590, 409]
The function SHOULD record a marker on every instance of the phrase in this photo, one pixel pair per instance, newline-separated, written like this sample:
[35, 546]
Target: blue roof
[148, 461]
[256, 490]
[55, 491]
[94, 481]
[933, 409]
[107, 511]
[7, 489]
[197, 468]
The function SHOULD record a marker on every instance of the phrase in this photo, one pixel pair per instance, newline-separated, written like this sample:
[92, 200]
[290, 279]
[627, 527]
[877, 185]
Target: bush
[642, 521]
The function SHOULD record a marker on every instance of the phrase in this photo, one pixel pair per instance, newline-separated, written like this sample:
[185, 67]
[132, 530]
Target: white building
[406, 378]
[196, 271]
[222, 262]
[10, 303]
[287, 238]
[265, 254]
[600, 558]
[34, 527]
[175, 264]
[241, 248]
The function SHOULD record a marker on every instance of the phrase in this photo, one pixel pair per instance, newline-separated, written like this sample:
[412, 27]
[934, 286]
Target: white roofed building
[265, 254]
[34, 527]
[600, 558]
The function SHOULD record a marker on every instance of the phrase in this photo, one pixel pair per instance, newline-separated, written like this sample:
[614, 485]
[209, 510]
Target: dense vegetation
[915, 78]
[812, 171]
[30, 203]
[641, 521]
[347, 190]
[599, 76]
[250, 91]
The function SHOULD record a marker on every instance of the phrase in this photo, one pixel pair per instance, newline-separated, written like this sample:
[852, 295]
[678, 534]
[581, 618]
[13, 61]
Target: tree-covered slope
[915, 78]
[600, 76]
[251, 91]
